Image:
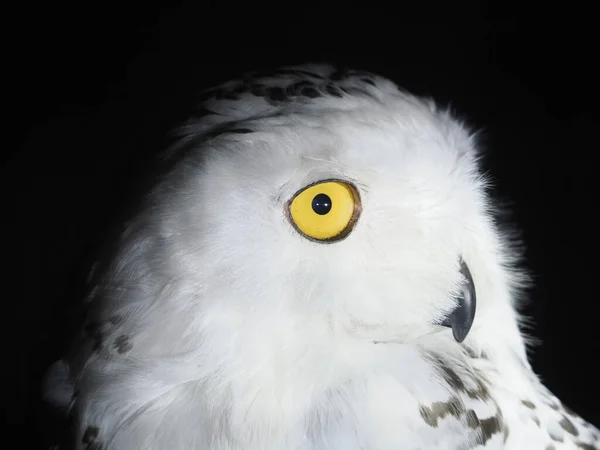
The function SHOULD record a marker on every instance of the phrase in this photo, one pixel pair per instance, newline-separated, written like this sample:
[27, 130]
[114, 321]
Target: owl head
[307, 214]
[309, 203]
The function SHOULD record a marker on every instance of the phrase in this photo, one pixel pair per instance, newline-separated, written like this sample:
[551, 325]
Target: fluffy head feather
[217, 325]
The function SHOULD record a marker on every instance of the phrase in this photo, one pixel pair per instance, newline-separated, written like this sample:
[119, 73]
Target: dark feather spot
[115, 320]
[230, 96]
[528, 404]
[90, 434]
[439, 410]
[276, 94]
[258, 90]
[224, 130]
[122, 344]
[296, 88]
[203, 112]
[241, 130]
[456, 383]
[332, 90]
[584, 446]
[472, 419]
[339, 74]
[489, 427]
[310, 92]
[568, 426]
[368, 81]
[90, 438]
[298, 73]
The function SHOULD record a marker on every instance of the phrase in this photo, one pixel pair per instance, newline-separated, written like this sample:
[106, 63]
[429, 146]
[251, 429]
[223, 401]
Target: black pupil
[321, 204]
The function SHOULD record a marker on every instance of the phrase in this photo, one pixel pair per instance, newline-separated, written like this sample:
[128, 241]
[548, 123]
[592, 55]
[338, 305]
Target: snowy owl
[318, 269]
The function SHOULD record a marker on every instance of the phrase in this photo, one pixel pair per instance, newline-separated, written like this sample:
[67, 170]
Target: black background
[93, 91]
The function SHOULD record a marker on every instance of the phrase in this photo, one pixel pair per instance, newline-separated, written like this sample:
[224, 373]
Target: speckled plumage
[217, 326]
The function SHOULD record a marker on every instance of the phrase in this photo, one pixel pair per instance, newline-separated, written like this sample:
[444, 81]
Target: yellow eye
[325, 211]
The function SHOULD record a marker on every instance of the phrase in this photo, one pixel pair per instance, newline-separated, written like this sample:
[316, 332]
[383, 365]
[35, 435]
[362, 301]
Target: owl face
[362, 217]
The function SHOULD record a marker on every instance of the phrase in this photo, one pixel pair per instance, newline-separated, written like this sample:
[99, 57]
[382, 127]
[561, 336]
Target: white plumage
[221, 324]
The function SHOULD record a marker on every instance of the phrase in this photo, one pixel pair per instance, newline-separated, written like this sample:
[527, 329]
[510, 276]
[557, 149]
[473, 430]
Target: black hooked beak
[461, 318]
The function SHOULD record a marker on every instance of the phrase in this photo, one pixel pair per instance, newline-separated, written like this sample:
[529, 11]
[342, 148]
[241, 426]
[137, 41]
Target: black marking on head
[224, 94]
[196, 140]
[536, 420]
[286, 72]
[302, 82]
[568, 426]
[308, 73]
[122, 344]
[368, 81]
[309, 92]
[333, 90]
[528, 404]
[203, 112]
[439, 410]
[339, 74]
[225, 130]
[277, 88]
[276, 94]
[304, 89]
[241, 130]
[360, 73]
[230, 96]
[257, 89]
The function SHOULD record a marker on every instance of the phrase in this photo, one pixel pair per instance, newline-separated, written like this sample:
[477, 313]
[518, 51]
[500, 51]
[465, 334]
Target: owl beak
[461, 318]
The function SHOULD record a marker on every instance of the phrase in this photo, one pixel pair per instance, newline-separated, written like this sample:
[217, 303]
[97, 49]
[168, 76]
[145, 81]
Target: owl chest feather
[319, 393]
